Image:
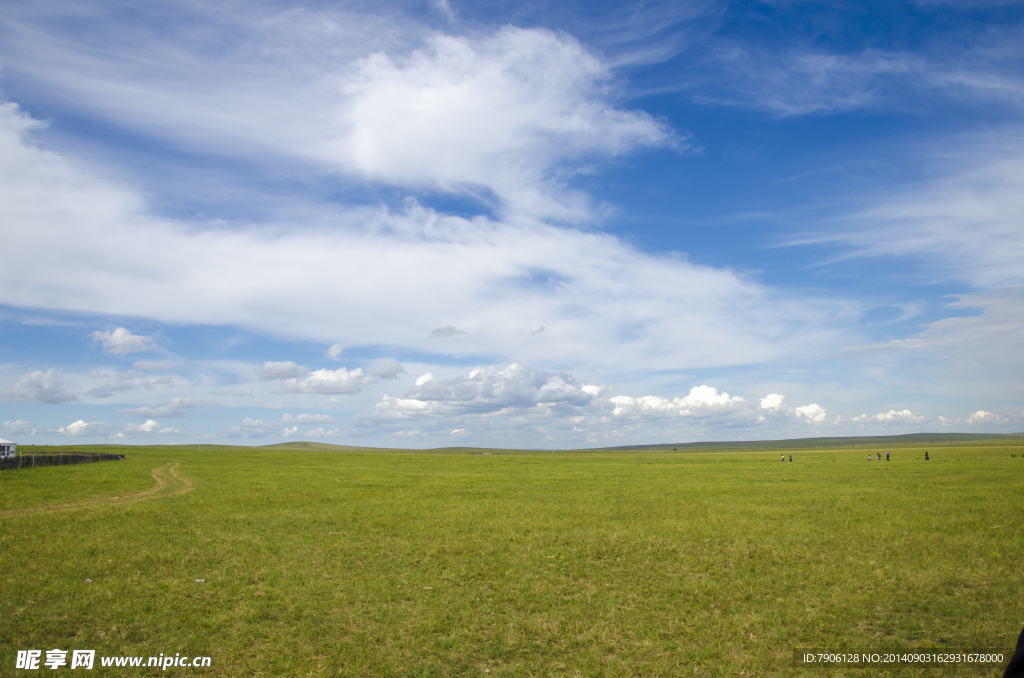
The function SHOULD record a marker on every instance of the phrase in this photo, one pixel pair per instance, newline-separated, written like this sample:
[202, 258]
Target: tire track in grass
[169, 482]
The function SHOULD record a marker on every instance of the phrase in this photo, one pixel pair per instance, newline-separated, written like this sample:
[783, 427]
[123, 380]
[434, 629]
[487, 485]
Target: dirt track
[168, 483]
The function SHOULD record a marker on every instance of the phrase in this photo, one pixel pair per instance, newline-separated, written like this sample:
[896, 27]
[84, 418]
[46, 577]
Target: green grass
[568, 564]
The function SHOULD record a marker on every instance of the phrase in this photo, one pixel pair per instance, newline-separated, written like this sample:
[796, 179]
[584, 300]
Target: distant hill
[797, 443]
[323, 447]
[909, 438]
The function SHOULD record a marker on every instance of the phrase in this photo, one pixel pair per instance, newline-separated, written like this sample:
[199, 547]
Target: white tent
[7, 448]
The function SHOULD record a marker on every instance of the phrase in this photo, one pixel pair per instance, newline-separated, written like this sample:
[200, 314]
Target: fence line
[60, 459]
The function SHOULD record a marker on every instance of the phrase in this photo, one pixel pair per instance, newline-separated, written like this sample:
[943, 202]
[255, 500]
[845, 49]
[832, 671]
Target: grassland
[325, 563]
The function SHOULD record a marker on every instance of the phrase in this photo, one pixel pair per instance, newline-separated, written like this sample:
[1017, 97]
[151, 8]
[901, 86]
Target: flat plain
[323, 563]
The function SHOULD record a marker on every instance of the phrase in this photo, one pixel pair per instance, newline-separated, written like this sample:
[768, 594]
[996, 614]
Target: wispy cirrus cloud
[129, 380]
[964, 225]
[788, 76]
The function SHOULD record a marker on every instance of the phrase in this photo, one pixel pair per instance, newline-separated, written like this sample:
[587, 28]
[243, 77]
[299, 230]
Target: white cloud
[500, 112]
[80, 428]
[307, 419]
[965, 224]
[280, 370]
[813, 413]
[983, 417]
[335, 351]
[148, 427]
[508, 115]
[900, 416]
[485, 390]
[18, 427]
[173, 408]
[327, 381]
[122, 342]
[260, 428]
[773, 401]
[801, 80]
[388, 370]
[321, 432]
[975, 356]
[702, 401]
[253, 428]
[126, 381]
[539, 408]
[40, 387]
[604, 303]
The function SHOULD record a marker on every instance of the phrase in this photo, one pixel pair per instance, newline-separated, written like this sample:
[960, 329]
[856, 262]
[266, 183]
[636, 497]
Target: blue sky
[510, 224]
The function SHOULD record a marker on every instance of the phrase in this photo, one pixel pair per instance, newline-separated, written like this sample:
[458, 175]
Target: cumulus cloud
[18, 427]
[148, 427]
[327, 382]
[773, 401]
[40, 387]
[812, 413]
[122, 342]
[173, 408]
[547, 408]
[486, 390]
[983, 417]
[388, 370]
[901, 416]
[280, 370]
[335, 350]
[702, 400]
[80, 428]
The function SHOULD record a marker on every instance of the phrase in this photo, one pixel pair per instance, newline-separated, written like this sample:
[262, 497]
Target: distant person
[791, 456]
[1015, 669]
[870, 458]
[887, 455]
[879, 457]
[926, 455]
[783, 460]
